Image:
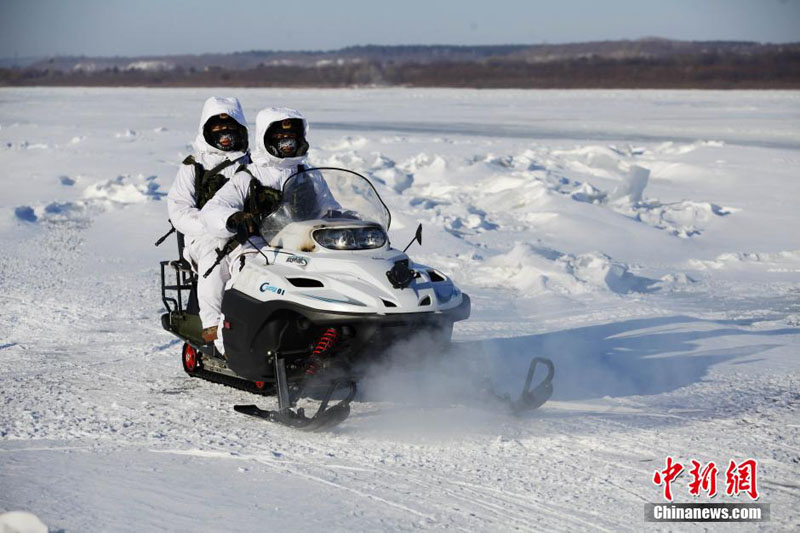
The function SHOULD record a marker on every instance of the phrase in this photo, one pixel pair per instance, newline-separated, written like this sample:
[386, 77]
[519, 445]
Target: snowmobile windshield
[326, 193]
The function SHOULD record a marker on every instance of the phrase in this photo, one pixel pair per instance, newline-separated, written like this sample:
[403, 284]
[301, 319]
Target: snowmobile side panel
[253, 330]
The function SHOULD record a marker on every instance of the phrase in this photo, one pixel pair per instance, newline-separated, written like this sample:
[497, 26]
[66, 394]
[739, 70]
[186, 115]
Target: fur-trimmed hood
[217, 105]
[264, 119]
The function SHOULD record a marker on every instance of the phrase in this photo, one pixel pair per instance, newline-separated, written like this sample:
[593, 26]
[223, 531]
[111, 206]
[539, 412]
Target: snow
[156, 66]
[21, 522]
[641, 239]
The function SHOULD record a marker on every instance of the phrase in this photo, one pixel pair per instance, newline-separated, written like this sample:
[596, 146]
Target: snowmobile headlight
[360, 238]
[373, 237]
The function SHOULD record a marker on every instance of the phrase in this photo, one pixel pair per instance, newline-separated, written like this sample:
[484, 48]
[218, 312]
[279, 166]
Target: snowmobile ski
[325, 417]
[532, 398]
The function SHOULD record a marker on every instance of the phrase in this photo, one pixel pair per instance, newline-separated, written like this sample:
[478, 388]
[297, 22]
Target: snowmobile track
[230, 381]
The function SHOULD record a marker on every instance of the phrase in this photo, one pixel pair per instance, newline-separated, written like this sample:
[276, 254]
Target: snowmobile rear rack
[185, 280]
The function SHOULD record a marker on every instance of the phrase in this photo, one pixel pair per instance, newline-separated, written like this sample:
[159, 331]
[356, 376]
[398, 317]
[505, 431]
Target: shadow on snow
[620, 359]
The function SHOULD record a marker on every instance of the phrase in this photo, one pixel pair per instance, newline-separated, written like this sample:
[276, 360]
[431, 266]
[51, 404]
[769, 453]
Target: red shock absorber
[325, 343]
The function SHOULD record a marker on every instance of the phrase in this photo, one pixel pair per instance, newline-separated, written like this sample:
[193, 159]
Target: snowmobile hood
[217, 105]
[264, 119]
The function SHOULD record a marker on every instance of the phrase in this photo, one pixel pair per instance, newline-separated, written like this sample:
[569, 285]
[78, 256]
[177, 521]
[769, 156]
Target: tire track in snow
[557, 510]
[499, 506]
[497, 510]
[285, 467]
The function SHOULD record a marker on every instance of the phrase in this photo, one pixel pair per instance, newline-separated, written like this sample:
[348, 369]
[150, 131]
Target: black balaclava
[230, 136]
[286, 138]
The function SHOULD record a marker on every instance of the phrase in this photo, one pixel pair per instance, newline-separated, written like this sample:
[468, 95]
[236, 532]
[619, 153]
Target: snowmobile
[325, 296]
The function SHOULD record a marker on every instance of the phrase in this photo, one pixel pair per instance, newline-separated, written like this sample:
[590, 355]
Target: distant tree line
[774, 69]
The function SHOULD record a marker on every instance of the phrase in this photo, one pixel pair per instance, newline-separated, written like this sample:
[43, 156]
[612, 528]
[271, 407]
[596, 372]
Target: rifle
[221, 253]
[257, 198]
[167, 234]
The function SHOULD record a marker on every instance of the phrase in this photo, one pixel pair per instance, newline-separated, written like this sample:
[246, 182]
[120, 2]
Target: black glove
[243, 224]
[267, 200]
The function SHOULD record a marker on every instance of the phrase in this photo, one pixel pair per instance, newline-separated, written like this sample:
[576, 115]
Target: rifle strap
[202, 175]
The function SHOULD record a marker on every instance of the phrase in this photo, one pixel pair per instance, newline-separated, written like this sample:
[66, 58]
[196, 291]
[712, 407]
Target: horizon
[117, 28]
[411, 45]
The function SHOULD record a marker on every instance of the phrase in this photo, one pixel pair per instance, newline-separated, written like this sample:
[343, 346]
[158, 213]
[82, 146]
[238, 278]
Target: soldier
[255, 190]
[220, 149]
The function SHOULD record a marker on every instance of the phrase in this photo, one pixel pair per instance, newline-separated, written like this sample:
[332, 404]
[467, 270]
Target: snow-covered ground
[646, 241]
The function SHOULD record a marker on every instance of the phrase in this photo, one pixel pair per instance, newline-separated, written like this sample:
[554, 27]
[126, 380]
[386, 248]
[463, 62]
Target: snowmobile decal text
[267, 287]
[302, 261]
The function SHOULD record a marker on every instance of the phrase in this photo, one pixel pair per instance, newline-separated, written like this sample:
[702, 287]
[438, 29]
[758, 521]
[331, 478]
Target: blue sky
[142, 27]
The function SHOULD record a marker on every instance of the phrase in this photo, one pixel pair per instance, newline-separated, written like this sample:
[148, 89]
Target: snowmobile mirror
[417, 237]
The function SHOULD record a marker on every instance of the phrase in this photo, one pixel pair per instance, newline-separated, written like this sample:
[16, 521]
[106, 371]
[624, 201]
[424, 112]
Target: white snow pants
[233, 265]
[202, 251]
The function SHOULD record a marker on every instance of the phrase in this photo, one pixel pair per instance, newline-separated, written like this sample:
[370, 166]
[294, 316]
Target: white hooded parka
[200, 247]
[181, 200]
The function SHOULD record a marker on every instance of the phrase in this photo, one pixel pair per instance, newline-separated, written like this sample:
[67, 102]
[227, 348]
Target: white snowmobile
[327, 295]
